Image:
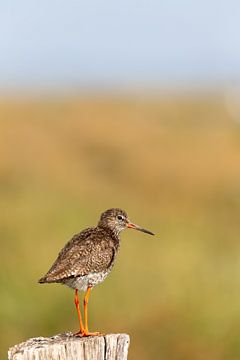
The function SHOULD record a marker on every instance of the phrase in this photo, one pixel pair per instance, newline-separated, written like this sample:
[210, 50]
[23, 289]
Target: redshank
[88, 258]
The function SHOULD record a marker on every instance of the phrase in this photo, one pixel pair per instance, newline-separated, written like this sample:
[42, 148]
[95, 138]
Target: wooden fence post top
[68, 347]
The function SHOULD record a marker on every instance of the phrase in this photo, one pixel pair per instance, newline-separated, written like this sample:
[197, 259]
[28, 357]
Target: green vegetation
[174, 165]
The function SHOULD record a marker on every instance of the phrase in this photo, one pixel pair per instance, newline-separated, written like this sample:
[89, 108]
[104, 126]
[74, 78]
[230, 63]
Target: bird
[87, 259]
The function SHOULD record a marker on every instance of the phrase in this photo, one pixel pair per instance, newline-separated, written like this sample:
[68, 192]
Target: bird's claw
[95, 333]
[87, 333]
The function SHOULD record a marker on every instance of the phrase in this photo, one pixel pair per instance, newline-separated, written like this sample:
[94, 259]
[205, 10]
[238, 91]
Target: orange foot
[87, 333]
[79, 333]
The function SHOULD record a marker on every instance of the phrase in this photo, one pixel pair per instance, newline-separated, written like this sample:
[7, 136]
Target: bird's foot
[85, 333]
[95, 333]
[79, 333]
[89, 333]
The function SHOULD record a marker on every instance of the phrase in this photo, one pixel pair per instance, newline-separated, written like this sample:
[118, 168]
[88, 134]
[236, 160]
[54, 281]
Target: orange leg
[76, 300]
[86, 298]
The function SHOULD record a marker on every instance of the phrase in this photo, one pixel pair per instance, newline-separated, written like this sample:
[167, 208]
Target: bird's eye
[120, 217]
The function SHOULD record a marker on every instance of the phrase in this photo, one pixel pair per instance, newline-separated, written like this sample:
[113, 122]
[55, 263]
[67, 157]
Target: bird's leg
[85, 304]
[76, 300]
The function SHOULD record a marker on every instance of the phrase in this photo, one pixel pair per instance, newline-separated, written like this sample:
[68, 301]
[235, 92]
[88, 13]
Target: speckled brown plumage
[92, 250]
[89, 256]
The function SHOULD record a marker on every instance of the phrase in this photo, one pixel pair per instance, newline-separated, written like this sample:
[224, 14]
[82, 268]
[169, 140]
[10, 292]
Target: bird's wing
[81, 255]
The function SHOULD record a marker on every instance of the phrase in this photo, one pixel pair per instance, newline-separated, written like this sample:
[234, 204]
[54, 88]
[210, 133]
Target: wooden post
[68, 347]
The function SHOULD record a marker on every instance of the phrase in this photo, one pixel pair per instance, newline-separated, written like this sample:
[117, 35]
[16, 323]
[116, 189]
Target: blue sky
[77, 44]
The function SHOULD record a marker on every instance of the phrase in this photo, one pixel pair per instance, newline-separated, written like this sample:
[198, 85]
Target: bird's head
[117, 220]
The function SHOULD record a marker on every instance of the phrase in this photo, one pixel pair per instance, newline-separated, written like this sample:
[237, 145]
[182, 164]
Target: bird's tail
[48, 279]
[45, 279]
[42, 280]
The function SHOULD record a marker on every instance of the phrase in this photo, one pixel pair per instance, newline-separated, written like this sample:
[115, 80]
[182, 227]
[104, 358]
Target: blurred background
[134, 104]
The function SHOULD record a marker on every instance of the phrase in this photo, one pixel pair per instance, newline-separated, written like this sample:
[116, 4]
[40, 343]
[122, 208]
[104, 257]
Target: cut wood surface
[66, 346]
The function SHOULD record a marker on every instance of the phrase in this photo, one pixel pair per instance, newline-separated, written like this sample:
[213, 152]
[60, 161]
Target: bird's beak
[136, 227]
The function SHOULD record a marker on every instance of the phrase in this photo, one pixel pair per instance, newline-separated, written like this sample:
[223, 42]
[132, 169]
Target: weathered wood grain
[68, 347]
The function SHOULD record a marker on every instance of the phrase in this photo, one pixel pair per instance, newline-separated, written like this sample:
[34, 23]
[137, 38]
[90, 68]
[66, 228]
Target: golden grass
[173, 164]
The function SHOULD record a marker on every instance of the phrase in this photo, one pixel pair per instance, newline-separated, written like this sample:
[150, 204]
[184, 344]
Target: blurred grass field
[174, 165]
